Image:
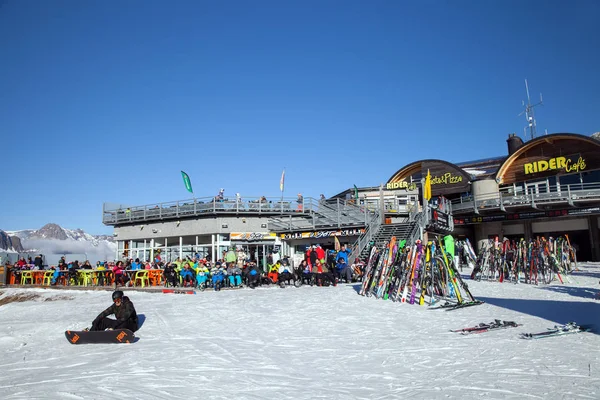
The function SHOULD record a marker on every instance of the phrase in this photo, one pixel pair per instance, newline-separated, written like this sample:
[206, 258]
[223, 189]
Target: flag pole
[282, 185]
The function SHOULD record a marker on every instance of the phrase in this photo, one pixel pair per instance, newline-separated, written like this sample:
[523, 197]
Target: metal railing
[371, 228]
[335, 212]
[506, 198]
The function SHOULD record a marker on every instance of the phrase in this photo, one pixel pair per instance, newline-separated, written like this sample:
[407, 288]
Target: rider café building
[548, 186]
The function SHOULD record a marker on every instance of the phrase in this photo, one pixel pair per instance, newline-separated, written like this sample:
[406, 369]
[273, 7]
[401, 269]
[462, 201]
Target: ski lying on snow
[558, 330]
[483, 327]
[179, 291]
[455, 306]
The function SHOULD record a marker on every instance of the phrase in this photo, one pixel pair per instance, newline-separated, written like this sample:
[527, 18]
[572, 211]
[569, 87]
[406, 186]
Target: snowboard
[114, 336]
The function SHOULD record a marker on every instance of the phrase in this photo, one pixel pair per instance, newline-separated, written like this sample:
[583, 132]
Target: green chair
[25, 276]
[142, 277]
[48, 275]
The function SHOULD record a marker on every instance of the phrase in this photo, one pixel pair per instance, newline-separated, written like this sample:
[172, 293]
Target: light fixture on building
[263, 225]
[223, 226]
[178, 222]
[154, 230]
[244, 220]
[141, 227]
[115, 234]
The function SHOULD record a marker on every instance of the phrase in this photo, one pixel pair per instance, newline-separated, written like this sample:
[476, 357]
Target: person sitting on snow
[343, 271]
[187, 275]
[304, 272]
[323, 276]
[202, 274]
[273, 274]
[170, 275]
[235, 275]
[123, 310]
[252, 276]
[218, 276]
[285, 274]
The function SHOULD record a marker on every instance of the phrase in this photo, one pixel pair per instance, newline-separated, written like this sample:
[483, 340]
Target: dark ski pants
[253, 280]
[345, 273]
[286, 277]
[105, 323]
[171, 279]
[325, 277]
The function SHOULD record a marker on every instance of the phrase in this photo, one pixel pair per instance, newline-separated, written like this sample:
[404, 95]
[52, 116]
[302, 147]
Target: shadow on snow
[561, 312]
[584, 292]
[141, 320]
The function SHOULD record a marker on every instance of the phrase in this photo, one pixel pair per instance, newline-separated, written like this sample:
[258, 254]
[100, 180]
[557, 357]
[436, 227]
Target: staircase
[385, 233]
[321, 215]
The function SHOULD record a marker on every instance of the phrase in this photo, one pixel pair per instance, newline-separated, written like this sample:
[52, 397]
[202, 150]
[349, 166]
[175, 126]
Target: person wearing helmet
[124, 312]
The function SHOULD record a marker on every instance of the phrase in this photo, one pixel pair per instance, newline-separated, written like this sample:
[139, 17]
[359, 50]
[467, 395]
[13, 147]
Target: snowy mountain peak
[50, 231]
[10, 243]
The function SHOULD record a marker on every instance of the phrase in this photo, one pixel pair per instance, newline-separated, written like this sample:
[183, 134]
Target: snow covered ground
[304, 343]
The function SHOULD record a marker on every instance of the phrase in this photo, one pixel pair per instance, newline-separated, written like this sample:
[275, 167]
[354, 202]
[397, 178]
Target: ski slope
[304, 343]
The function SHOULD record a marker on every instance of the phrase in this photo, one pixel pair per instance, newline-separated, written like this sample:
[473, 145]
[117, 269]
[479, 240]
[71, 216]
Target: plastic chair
[155, 276]
[25, 276]
[86, 277]
[48, 275]
[38, 277]
[142, 277]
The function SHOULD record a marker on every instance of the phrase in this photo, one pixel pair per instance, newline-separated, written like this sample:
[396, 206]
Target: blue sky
[106, 101]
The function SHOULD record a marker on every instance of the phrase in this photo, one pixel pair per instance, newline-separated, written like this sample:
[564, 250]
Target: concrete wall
[484, 189]
[562, 225]
[190, 227]
[513, 229]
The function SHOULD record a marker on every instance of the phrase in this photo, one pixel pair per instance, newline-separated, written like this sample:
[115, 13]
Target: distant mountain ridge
[55, 231]
[10, 243]
[54, 239]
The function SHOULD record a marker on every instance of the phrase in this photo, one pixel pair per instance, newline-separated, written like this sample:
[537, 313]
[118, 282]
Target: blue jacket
[343, 254]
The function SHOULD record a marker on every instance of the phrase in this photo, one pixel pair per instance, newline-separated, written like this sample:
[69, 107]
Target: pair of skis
[486, 327]
[558, 330]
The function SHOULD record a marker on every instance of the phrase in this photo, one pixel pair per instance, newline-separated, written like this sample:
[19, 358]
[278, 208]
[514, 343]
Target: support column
[181, 247]
[528, 229]
[594, 237]
[381, 204]
[212, 248]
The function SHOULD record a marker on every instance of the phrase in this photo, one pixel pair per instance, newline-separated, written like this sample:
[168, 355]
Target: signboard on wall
[446, 178]
[250, 236]
[439, 220]
[551, 155]
[322, 234]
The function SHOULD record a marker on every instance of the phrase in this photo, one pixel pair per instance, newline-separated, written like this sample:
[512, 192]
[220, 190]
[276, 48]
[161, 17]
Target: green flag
[355, 192]
[187, 182]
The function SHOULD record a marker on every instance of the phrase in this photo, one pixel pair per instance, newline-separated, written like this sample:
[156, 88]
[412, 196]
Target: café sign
[570, 164]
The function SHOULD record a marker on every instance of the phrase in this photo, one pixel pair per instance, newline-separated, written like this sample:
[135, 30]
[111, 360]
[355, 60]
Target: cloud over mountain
[52, 239]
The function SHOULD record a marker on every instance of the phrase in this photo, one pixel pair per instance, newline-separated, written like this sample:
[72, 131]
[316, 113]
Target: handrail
[556, 194]
[371, 227]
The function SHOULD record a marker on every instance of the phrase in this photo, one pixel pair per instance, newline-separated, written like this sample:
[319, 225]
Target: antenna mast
[529, 115]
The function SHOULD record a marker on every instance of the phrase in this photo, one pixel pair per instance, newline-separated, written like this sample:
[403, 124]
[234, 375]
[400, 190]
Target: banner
[427, 188]
[282, 181]
[187, 182]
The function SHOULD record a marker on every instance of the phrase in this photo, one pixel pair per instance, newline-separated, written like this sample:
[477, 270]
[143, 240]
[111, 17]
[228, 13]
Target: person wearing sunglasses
[124, 312]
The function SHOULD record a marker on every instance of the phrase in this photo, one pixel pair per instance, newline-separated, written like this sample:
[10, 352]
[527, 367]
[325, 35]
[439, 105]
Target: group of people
[319, 267]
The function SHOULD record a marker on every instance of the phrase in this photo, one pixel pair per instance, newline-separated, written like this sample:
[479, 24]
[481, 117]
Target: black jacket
[125, 313]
